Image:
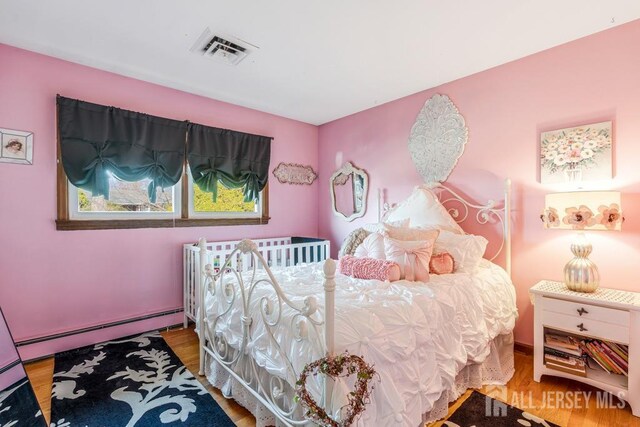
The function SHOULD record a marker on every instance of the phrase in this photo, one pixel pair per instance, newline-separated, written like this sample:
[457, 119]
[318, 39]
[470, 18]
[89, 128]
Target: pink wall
[53, 281]
[589, 80]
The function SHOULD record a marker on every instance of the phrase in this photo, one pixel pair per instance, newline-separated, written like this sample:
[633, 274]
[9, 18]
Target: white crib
[277, 251]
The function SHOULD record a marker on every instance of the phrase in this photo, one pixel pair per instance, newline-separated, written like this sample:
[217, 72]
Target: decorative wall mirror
[18, 403]
[349, 187]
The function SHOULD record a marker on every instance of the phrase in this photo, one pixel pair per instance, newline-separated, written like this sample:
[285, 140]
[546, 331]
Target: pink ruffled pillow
[369, 268]
[412, 257]
[441, 263]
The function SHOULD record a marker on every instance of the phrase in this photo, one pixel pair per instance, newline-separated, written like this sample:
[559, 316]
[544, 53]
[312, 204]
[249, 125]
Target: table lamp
[581, 211]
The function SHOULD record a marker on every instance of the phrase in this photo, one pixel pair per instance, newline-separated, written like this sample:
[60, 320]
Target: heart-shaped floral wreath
[342, 365]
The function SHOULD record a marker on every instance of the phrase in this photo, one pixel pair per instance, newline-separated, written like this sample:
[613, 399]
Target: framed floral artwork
[16, 146]
[582, 153]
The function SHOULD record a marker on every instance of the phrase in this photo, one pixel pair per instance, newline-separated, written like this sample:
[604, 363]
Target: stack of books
[612, 357]
[564, 353]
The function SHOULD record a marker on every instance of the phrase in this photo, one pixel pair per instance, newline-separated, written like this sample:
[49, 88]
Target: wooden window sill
[80, 224]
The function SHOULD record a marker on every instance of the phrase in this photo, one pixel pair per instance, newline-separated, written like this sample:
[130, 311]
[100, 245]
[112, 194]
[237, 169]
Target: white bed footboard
[230, 288]
[277, 251]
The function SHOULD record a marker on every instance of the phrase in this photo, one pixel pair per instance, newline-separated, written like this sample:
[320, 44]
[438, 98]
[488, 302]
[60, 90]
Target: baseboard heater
[9, 366]
[96, 327]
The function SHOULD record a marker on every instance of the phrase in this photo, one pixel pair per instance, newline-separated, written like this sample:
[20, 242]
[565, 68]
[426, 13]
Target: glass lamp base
[581, 274]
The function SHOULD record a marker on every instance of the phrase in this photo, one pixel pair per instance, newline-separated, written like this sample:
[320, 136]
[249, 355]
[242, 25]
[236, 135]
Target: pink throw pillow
[411, 233]
[441, 263]
[412, 257]
[371, 247]
[369, 268]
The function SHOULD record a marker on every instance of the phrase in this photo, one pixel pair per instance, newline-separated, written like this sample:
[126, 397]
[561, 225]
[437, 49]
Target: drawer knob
[582, 311]
[581, 327]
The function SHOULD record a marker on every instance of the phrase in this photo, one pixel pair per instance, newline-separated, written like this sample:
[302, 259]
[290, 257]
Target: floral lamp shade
[583, 210]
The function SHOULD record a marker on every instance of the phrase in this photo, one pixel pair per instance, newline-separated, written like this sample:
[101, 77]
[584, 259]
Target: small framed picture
[16, 146]
[581, 153]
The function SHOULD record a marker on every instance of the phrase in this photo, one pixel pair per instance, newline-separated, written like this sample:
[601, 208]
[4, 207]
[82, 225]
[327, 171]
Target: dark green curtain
[234, 159]
[96, 139]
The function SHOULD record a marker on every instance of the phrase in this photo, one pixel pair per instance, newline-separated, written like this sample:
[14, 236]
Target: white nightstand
[607, 314]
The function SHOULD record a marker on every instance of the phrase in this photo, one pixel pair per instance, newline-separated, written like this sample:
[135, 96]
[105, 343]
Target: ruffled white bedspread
[418, 336]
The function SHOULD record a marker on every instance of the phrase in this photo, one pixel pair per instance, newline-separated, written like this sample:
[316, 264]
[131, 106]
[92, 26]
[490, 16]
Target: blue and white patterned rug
[19, 407]
[135, 381]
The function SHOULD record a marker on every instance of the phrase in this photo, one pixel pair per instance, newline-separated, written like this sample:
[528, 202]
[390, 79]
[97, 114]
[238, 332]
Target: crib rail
[277, 252]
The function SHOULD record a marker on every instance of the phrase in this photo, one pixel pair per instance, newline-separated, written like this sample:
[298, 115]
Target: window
[127, 200]
[129, 207]
[130, 200]
[229, 203]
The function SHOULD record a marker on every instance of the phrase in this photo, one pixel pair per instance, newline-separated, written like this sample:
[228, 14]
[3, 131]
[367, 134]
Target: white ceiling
[319, 60]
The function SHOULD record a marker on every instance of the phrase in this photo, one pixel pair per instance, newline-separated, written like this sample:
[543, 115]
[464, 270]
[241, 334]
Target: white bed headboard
[462, 209]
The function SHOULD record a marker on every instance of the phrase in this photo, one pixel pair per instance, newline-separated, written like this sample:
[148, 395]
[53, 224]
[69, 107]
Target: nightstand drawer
[586, 311]
[586, 327]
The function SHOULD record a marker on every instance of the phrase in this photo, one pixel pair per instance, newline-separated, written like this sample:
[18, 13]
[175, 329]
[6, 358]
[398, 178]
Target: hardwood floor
[522, 391]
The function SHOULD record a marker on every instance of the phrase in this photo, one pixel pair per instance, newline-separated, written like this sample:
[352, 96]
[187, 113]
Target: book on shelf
[553, 351]
[609, 356]
[615, 358]
[593, 357]
[570, 362]
[563, 350]
[620, 350]
[566, 369]
[603, 354]
[601, 351]
[564, 358]
[569, 353]
[562, 343]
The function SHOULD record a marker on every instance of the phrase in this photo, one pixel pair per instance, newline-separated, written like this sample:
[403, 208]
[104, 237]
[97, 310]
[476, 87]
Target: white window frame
[76, 214]
[218, 215]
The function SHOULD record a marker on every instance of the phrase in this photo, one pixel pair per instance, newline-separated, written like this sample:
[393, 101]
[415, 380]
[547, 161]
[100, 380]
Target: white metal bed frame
[308, 322]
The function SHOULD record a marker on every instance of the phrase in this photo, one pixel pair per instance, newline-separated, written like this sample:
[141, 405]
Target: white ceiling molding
[318, 60]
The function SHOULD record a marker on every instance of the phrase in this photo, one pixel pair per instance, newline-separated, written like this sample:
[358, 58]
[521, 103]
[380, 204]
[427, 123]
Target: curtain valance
[235, 159]
[96, 139]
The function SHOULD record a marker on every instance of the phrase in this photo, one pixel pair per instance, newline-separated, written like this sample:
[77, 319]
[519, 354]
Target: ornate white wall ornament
[293, 173]
[437, 139]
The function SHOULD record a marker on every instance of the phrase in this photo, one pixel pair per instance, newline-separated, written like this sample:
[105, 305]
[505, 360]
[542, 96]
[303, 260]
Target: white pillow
[378, 227]
[371, 247]
[467, 250]
[423, 209]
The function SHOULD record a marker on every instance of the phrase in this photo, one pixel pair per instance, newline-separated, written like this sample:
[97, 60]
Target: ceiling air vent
[227, 49]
